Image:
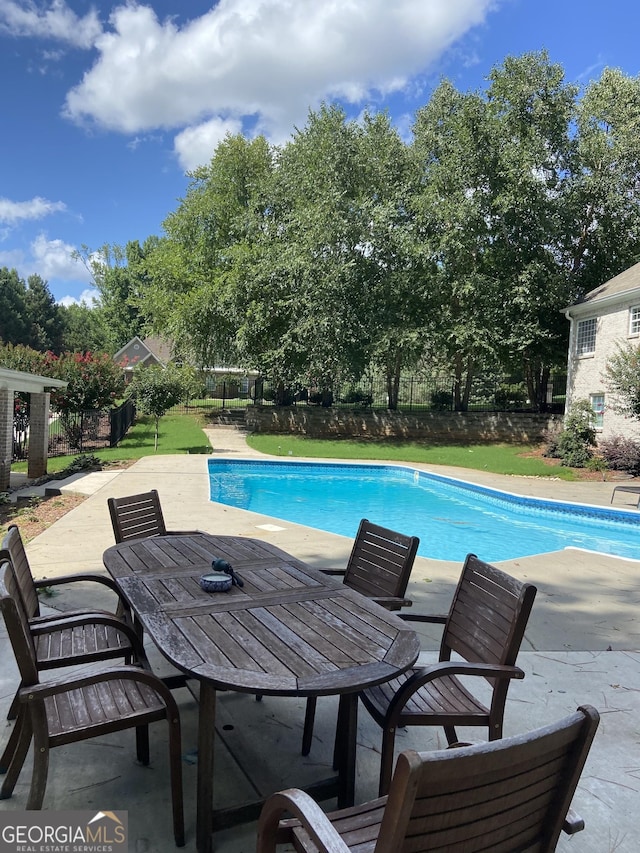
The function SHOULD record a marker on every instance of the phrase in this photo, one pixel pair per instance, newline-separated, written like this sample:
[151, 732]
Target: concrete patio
[582, 647]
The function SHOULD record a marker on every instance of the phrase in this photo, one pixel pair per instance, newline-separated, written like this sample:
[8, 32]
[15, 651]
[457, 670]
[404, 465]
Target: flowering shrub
[95, 381]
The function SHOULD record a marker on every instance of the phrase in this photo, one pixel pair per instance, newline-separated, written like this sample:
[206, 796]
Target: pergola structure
[37, 387]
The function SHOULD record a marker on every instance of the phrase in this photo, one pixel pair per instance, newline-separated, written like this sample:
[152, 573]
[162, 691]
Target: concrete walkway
[582, 647]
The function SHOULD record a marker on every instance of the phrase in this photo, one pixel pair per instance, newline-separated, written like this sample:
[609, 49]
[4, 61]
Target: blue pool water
[451, 517]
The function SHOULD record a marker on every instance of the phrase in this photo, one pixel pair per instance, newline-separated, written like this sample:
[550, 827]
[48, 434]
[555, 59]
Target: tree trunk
[537, 379]
[462, 379]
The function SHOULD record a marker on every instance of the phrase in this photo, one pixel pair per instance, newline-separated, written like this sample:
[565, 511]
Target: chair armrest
[307, 811]
[125, 673]
[572, 823]
[393, 603]
[82, 578]
[425, 674]
[51, 618]
[422, 617]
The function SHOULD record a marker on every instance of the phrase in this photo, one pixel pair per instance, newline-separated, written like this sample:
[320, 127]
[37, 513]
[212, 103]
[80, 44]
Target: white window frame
[598, 407]
[586, 336]
[634, 321]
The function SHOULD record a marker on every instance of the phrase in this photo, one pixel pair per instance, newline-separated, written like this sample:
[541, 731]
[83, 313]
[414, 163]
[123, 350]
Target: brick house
[604, 318]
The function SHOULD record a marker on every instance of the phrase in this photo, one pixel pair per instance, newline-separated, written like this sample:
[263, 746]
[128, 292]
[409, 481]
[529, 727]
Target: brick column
[38, 435]
[6, 437]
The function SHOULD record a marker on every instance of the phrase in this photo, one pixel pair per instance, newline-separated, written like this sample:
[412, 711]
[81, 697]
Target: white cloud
[54, 259]
[269, 59]
[57, 22]
[90, 297]
[195, 145]
[12, 212]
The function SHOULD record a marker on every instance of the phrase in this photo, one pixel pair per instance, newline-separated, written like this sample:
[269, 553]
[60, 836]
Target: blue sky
[104, 107]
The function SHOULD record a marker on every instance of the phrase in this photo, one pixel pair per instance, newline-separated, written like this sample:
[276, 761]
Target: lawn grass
[496, 458]
[178, 433]
[182, 433]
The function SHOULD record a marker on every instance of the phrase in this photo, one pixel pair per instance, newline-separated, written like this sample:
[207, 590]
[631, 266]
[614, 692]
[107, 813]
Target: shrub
[621, 454]
[442, 401]
[357, 398]
[578, 438]
[551, 438]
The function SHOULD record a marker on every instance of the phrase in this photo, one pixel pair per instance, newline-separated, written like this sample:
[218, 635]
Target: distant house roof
[160, 347]
[618, 287]
[148, 351]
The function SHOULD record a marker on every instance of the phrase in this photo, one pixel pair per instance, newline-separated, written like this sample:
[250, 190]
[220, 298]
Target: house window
[586, 339]
[597, 404]
[634, 320]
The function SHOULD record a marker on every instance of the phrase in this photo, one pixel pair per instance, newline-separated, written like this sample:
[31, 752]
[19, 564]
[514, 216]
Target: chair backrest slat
[13, 547]
[505, 795]
[137, 516]
[488, 615]
[381, 561]
[17, 623]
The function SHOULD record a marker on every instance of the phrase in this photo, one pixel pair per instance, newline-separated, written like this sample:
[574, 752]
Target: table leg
[206, 734]
[346, 754]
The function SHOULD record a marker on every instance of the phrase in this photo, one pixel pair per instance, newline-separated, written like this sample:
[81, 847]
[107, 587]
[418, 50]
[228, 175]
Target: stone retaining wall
[517, 427]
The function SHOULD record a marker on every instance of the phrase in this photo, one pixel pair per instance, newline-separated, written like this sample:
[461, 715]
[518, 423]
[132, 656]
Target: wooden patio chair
[481, 637]
[139, 516]
[511, 794]
[74, 637]
[379, 567]
[76, 708]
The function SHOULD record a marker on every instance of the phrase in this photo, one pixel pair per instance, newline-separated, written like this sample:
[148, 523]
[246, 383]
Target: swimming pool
[451, 517]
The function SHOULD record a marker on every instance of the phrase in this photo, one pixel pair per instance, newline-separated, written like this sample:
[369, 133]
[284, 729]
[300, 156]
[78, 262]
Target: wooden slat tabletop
[290, 630]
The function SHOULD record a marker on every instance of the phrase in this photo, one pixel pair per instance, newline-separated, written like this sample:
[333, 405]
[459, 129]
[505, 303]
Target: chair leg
[175, 763]
[386, 760]
[450, 734]
[12, 713]
[10, 747]
[142, 744]
[20, 747]
[309, 719]
[40, 770]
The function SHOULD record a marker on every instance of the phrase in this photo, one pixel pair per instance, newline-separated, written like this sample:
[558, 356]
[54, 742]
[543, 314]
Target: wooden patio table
[289, 631]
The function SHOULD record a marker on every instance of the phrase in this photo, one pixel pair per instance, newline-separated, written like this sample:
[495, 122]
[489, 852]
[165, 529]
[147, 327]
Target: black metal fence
[81, 432]
[488, 394]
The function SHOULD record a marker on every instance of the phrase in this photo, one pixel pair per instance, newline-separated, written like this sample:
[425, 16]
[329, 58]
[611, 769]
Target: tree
[622, 378]
[602, 199]
[453, 142]
[306, 317]
[121, 277]
[43, 316]
[156, 389]
[197, 292]
[399, 273]
[83, 328]
[13, 310]
[530, 109]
